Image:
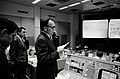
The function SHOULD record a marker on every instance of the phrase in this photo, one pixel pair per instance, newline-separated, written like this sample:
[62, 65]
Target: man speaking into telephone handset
[47, 54]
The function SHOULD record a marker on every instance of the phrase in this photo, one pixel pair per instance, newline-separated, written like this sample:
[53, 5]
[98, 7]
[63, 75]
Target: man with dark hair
[18, 53]
[24, 36]
[7, 33]
[47, 55]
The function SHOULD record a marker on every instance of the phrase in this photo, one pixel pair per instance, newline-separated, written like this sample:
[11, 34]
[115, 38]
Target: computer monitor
[107, 74]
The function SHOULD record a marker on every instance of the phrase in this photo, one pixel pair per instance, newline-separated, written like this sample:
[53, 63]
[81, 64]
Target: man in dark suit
[7, 32]
[18, 53]
[46, 54]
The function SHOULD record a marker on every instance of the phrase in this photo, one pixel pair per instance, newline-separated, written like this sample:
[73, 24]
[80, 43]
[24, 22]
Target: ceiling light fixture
[84, 1]
[71, 5]
[74, 4]
[63, 7]
[36, 1]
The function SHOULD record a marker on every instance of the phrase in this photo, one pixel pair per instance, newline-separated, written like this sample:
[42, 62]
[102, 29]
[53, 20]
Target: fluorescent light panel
[84, 1]
[74, 4]
[63, 7]
[36, 1]
[71, 5]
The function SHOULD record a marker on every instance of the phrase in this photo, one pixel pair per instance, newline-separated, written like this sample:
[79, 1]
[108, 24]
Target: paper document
[65, 45]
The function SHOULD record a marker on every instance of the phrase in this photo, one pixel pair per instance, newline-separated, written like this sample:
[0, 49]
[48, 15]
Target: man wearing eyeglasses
[47, 55]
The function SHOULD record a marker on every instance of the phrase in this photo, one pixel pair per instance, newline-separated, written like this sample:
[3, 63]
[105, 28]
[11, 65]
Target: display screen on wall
[114, 28]
[95, 28]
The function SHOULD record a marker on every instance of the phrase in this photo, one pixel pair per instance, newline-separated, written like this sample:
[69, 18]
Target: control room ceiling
[82, 6]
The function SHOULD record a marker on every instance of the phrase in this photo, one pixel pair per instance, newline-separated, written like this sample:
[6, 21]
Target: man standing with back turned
[46, 54]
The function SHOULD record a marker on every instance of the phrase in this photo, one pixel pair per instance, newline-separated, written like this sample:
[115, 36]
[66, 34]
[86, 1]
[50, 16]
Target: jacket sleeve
[44, 55]
[13, 48]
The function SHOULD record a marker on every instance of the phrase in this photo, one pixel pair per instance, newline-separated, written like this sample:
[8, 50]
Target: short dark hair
[8, 24]
[44, 22]
[100, 54]
[20, 29]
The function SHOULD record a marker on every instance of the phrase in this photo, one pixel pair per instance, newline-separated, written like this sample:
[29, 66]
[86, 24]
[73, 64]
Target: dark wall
[96, 43]
[63, 30]
[113, 45]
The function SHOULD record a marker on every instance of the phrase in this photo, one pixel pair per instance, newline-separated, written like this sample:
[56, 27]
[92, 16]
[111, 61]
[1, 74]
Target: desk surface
[66, 74]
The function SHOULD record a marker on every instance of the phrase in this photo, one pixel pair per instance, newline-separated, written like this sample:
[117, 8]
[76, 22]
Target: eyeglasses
[24, 31]
[52, 27]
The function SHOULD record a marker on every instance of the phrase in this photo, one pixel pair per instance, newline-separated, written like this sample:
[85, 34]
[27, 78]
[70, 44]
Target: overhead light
[84, 1]
[71, 5]
[36, 1]
[115, 4]
[63, 7]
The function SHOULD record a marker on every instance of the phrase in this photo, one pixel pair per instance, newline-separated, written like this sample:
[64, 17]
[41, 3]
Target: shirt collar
[46, 34]
[20, 37]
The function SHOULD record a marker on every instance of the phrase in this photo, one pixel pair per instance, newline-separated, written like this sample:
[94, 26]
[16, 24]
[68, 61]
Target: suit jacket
[18, 51]
[4, 71]
[47, 57]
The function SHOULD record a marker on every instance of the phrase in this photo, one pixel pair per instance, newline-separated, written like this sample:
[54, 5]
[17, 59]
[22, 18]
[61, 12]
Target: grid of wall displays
[114, 28]
[95, 28]
[101, 28]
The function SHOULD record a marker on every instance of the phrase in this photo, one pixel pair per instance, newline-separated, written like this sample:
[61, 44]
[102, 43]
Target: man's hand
[61, 48]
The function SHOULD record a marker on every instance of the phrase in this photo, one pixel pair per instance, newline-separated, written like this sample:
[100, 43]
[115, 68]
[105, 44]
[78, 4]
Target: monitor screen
[106, 74]
[114, 28]
[95, 28]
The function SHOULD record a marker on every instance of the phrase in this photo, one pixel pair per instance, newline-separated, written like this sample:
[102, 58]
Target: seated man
[98, 55]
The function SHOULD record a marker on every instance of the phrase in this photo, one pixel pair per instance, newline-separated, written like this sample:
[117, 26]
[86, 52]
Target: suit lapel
[21, 41]
[49, 41]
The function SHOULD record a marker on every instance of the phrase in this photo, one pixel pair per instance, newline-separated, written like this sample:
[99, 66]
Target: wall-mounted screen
[95, 28]
[114, 28]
